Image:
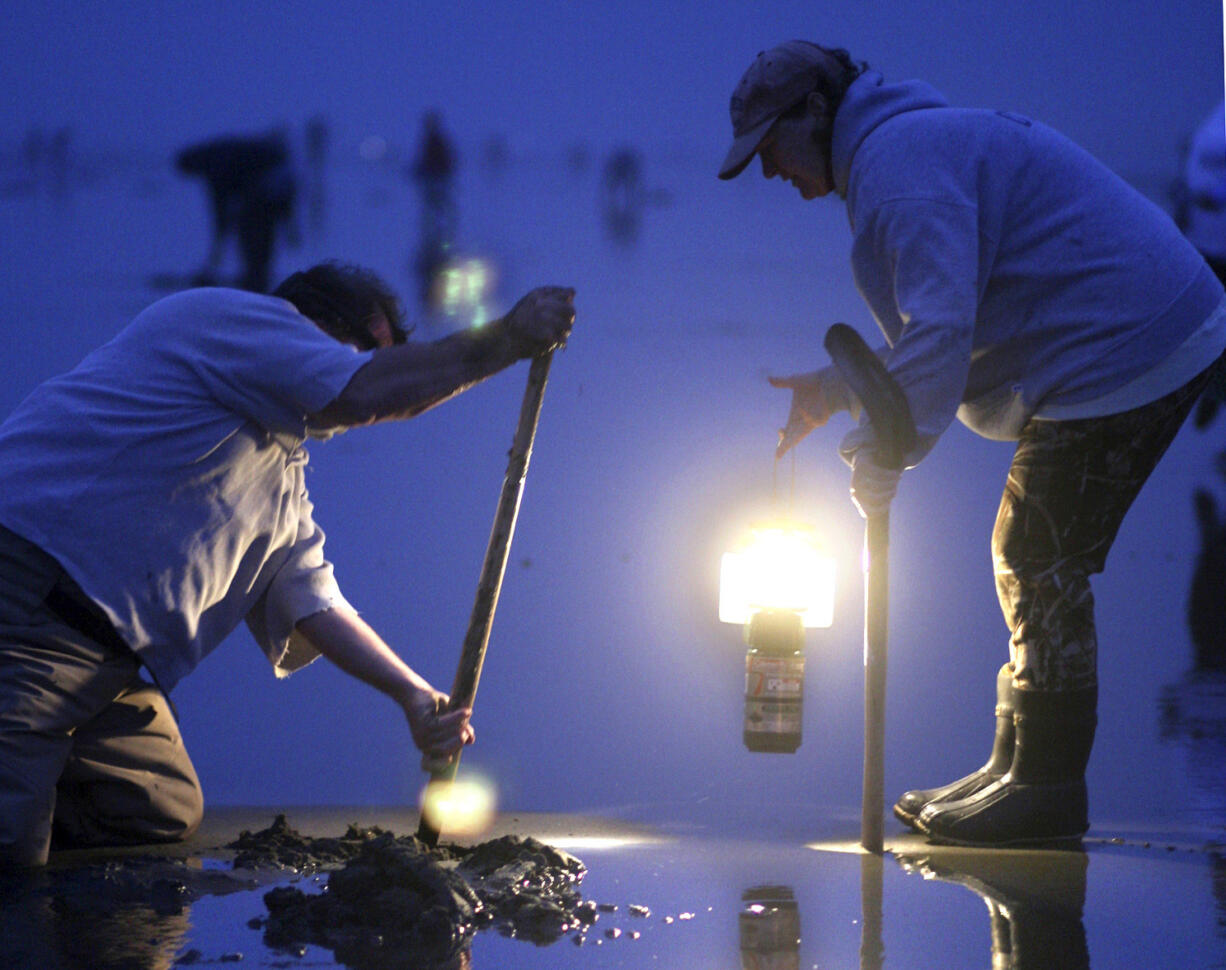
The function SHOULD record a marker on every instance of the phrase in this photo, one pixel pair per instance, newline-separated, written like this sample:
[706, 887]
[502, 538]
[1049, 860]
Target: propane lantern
[776, 584]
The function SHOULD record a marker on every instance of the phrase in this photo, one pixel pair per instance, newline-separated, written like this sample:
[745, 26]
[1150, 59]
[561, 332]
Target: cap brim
[743, 147]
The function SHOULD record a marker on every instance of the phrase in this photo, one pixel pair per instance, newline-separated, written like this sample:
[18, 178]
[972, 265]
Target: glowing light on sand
[598, 842]
[459, 808]
[781, 567]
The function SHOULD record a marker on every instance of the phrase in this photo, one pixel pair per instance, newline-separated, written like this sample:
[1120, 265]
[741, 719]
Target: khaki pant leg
[128, 778]
[51, 681]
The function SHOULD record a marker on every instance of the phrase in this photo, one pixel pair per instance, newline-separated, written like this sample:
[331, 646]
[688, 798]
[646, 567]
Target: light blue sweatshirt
[1008, 269]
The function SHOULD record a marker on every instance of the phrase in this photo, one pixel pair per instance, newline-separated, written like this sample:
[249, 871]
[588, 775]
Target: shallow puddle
[644, 899]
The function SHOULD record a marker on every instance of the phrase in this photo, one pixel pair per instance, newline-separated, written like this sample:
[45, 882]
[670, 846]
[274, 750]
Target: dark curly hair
[341, 299]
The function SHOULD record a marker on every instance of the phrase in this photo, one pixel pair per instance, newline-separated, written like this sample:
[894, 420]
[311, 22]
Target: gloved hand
[815, 397]
[872, 486]
[541, 320]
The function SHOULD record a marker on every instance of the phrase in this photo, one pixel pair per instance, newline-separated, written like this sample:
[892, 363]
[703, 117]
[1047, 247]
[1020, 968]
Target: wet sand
[545, 890]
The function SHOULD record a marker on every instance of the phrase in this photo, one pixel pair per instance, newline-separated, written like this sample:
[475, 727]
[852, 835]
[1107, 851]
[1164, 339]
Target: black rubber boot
[1043, 796]
[908, 807]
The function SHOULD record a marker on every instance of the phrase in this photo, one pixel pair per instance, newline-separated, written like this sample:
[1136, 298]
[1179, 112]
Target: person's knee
[24, 855]
[190, 810]
[25, 829]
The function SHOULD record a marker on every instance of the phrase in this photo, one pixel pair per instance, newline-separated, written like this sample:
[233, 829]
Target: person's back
[1073, 281]
[190, 422]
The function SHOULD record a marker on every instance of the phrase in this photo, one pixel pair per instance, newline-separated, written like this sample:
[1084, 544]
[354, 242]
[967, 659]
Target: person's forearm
[349, 642]
[405, 380]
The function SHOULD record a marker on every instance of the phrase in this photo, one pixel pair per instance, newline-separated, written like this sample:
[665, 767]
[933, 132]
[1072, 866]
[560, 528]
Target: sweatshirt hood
[868, 103]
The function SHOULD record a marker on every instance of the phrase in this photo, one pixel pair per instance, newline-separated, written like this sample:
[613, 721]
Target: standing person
[154, 497]
[622, 194]
[317, 136]
[433, 170]
[1025, 289]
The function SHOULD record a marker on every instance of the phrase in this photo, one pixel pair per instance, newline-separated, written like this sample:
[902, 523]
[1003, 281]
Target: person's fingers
[790, 436]
[451, 731]
[544, 316]
[450, 720]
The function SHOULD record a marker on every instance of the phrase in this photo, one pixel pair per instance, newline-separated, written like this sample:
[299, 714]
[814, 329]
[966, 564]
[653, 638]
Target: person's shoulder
[211, 311]
[218, 299]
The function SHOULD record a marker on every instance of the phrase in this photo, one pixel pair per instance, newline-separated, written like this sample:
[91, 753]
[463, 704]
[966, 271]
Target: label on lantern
[774, 688]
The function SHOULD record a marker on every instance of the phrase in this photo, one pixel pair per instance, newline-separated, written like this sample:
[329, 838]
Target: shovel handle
[879, 394]
[894, 429]
[493, 568]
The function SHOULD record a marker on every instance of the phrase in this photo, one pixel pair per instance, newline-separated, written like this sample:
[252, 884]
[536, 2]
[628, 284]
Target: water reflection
[872, 946]
[1035, 901]
[91, 924]
[1206, 619]
[769, 925]
[1192, 717]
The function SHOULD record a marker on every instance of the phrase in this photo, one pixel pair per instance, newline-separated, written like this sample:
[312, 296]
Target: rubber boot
[1043, 797]
[908, 807]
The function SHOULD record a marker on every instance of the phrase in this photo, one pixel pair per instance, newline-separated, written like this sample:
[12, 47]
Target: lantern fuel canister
[776, 584]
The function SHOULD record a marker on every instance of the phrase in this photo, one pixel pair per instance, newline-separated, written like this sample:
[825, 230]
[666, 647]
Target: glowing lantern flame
[781, 568]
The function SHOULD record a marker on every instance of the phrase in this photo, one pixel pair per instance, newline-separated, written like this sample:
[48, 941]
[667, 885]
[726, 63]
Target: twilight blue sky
[609, 683]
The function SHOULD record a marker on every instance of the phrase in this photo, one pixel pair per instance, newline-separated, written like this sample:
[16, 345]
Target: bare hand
[542, 319]
[437, 732]
[815, 397]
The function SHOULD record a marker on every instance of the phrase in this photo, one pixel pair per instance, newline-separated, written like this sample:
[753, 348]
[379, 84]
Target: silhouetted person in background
[1200, 203]
[1200, 211]
[59, 160]
[621, 195]
[495, 155]
[316, 137]
[252, 190]
[48, 159]
[433, 171]
[1207, 595]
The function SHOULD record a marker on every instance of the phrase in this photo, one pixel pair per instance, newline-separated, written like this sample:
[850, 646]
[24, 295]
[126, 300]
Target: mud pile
[282, 847]
[396, 902]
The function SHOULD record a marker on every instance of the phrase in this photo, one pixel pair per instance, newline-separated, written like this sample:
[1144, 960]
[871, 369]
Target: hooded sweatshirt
[1008, 269]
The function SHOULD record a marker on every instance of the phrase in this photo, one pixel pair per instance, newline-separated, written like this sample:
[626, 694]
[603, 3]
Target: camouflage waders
[1069, 487]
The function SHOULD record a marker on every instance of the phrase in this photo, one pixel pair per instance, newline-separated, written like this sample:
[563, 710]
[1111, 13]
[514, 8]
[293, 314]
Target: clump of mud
[396, 902]
[282, 847]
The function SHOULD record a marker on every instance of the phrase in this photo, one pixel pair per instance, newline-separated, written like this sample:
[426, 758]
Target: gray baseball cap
[777, 80]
